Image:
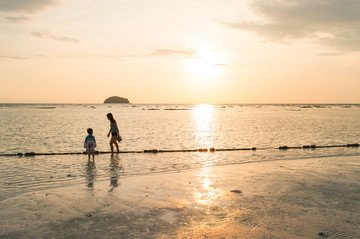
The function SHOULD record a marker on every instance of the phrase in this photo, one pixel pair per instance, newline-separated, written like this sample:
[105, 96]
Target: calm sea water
[62, 128]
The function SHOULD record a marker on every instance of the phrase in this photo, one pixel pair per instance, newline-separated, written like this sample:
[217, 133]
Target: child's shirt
[90, 143]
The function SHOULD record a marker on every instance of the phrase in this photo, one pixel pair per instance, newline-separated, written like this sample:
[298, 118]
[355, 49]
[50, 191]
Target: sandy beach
[307, 198]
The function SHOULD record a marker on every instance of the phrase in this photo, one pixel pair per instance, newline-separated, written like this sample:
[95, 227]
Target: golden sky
[188, 51]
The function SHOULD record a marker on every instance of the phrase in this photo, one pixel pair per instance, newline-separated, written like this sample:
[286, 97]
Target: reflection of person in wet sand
[114, 172]
[90, 173]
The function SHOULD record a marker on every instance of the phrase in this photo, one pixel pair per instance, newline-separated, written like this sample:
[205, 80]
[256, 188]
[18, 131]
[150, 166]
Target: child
[90, 143]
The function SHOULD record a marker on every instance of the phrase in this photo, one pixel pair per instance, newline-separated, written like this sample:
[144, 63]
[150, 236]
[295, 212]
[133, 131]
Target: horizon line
[52, 103]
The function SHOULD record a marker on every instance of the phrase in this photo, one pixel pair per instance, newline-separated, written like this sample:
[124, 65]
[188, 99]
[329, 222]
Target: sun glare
[203, 115]
[209, 65]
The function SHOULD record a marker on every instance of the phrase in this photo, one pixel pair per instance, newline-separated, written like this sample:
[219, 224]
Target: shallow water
[21, 175]
[62, 128]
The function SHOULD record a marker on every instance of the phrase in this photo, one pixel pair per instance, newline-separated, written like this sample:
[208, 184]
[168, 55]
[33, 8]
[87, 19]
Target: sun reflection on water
[206, 194]
[204, 125]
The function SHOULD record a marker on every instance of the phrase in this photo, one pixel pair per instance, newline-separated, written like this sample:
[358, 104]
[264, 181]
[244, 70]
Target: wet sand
[307, 198]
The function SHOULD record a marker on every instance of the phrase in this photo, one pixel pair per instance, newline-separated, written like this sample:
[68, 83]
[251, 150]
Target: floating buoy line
[203, 150]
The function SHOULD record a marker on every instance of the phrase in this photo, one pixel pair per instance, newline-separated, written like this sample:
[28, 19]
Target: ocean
[61, 128]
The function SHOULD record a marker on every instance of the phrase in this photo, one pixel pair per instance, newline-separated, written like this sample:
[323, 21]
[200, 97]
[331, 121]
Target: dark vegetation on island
[116, 99]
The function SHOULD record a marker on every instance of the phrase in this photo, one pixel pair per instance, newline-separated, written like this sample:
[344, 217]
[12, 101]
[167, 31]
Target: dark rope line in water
[155, 151]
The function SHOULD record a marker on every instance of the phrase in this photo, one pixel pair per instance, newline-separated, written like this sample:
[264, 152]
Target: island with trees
[116, 100]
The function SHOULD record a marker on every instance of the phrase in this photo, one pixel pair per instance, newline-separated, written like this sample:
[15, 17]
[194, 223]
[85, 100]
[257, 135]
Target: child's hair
[110, 117]
[90, 131]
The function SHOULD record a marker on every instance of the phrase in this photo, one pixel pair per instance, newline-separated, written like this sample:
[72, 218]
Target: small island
[116, 100]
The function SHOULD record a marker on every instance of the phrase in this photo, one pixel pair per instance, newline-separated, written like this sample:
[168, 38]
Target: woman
[114, 131]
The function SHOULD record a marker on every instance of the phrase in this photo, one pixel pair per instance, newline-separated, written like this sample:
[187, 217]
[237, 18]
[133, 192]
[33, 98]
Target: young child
[90, 143]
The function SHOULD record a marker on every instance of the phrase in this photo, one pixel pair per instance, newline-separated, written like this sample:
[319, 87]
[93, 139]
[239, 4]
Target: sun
[208, 65]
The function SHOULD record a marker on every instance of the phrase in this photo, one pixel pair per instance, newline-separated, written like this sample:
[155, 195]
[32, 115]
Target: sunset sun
[207, 66]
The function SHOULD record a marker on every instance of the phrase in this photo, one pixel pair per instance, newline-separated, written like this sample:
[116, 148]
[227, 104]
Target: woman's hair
[110, 117]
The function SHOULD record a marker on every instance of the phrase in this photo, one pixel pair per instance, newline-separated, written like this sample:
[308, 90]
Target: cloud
[187, 53]
[331, 23]
[17, 19]
[26, 6]
[48, 35]
[160, 52]
[13, 57]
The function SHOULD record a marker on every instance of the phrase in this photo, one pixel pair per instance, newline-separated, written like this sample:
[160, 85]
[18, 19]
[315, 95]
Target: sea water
[62, 128]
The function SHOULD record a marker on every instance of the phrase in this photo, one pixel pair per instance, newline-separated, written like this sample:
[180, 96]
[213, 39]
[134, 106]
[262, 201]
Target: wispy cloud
[48, 35]
[13, 57]
[173, 53]
[26, 6]
[160, 52]
[331, 23]
[17, 19]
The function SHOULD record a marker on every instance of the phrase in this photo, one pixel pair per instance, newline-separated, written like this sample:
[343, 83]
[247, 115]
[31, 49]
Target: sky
[188, 51]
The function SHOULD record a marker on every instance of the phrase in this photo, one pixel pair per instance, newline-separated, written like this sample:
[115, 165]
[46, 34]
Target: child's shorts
[90, 151]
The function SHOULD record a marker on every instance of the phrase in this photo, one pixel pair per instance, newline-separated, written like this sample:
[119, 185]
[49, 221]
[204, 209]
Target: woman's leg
[113, 141]
[111, 144]
[117, 146]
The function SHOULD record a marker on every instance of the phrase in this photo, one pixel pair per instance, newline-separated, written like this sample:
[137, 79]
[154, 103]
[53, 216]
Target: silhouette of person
[114, 132]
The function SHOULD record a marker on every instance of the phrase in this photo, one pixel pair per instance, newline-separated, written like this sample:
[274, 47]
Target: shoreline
[307, 198]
